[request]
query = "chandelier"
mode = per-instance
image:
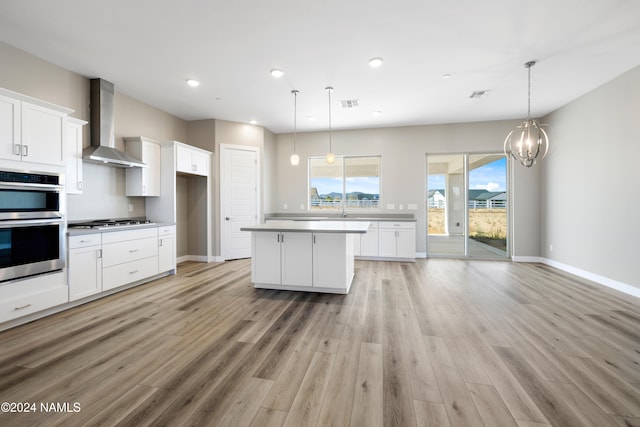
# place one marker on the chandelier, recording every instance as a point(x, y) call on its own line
point(528, 142)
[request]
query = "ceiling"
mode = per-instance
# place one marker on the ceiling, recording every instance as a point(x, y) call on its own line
point(148, 48)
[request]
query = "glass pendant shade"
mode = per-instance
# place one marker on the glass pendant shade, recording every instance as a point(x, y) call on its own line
point(295, 159)
point(527, 143)
point(330, 158)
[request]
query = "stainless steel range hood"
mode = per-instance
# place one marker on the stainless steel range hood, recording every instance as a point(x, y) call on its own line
point(103, 141)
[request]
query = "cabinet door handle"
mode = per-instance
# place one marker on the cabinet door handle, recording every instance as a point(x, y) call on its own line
point(23, 307)
point(17, 149)
point(314, 239)
point(79, 185)
point(282, 238)
point(99, 253)
point(25, 150)
point(133, 272)
point(131, 251)
point(159, 242)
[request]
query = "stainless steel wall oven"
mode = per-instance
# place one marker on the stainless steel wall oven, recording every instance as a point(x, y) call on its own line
point(32, 224)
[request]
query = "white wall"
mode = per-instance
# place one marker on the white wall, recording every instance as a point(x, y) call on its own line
point(403, 175)
point(591, 182)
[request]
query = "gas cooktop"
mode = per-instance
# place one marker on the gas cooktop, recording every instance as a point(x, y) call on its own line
point(111, 223)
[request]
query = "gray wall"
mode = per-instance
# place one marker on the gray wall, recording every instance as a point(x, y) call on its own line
point(403, 169)
point(591, 182)
point(104, 187)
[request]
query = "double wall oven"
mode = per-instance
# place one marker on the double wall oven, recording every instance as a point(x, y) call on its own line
point(32, 224)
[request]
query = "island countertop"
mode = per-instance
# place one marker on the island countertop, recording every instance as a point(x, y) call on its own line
point(358, 227)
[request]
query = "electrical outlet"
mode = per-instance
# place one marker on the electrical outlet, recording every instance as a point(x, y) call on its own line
point(401, 207)
point(285, 207)
point(391, 206)
point(130, 208)
point(550, 248)
point(412, 207)
point(301, 206)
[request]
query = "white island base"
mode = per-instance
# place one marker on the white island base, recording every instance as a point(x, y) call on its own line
point(309, 256)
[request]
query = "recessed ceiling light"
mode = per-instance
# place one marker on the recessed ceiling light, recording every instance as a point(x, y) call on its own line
point(446, 76)
point(377, 113)
point(375, 62)
point(193, 83)
point(311, 118)
point(277, 73)
point(253, 122)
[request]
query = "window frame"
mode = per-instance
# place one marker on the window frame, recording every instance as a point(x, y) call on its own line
point(343, 205)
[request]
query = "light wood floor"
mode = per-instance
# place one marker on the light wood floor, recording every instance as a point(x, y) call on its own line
point(435, 343)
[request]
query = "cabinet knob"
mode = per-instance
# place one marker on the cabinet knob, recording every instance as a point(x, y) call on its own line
point(25, 150)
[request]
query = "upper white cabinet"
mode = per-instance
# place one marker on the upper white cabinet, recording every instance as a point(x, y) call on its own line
point(192, 160)
point(10, 139)
point(32, 130)
point(74, 155)
point(143, 181)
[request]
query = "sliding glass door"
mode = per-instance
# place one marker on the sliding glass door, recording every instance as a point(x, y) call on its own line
point(467, 205)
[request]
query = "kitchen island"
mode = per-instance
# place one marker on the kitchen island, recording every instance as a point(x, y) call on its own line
point(312, 256)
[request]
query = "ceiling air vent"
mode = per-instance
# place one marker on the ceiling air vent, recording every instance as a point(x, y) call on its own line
point(350, 103)
point(478, 94)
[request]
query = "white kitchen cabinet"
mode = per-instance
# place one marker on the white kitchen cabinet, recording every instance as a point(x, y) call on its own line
point(85, 265)
point(192, 160)
point(31, 130)
point(397, 240)
point(73, 182)
point(297, 262)
point(282, 258)
point(369, 241)
point(332, 260)
point(143, 181)
point(129, 256)
point(28, 296)
point(166, 248)
point(10, 131)
point(266, 258)
point(42, 134)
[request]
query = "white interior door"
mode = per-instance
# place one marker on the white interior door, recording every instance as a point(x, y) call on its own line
point(239, 199)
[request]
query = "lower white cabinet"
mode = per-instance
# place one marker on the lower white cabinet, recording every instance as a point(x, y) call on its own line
point(85, 265)
point(31, 295)
point(332, 260)
point(129, 256)
point(282, 258)
point(166, 248)
point(369, 241)
point(301, 260)
point(397, 240)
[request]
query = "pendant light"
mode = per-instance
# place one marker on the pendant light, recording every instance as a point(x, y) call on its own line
point(295, 159)
point(528, 142)
point(330, 156)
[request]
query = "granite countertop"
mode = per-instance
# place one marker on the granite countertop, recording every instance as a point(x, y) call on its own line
point(338, 217)
point(82, 231)
point(359, 227)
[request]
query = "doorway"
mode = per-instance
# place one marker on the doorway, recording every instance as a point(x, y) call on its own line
point(467, 206)
point(239, 198)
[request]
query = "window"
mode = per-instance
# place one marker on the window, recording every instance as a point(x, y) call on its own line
point(349, 183)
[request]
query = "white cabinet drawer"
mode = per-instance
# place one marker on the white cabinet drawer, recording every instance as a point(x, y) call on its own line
point(85, 240)
point(166, 230)
point(32, 295)
point(129, 272)
point(398, 225)
point(121, 236)
point(121, 252)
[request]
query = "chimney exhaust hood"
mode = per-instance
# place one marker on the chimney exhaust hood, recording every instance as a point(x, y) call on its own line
point(103, 141)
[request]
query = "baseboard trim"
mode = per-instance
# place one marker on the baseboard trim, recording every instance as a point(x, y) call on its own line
point(602, 280)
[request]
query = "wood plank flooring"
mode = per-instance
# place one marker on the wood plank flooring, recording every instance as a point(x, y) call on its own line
point(432, 343)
